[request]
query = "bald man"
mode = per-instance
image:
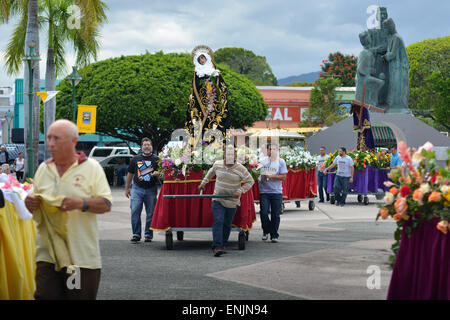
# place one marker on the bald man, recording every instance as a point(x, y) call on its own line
point(82, 184)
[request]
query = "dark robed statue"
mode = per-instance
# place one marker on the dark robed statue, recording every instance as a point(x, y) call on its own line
point(208, 101)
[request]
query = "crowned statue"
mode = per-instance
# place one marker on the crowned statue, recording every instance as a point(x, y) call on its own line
point(208, 100)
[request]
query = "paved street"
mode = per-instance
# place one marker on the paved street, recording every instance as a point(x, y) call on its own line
point(322, 254)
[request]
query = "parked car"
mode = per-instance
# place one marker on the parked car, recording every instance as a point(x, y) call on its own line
point(115, 167)
point(101, 153)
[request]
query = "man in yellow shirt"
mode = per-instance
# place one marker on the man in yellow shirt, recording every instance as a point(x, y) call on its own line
point(78, 187)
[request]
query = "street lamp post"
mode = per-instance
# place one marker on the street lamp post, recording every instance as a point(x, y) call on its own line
point(75, 78)
point(9, 116)
point(31, 58)
point(269, 121)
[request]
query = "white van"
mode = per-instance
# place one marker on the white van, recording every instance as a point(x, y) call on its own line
point(100, 153)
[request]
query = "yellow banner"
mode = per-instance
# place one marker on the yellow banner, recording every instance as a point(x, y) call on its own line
point(86, 119)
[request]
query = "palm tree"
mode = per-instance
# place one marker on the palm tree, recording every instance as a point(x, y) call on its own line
point(29, 32)
point(54, 16)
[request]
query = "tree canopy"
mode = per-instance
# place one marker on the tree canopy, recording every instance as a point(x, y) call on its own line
point(299, 84)
point(247, 63)
point(147, 95)
point(340, 66)
point(429, 80)
point(323, 109)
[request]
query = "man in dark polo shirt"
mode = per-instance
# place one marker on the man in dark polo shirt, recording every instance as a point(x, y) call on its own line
point(143, 177)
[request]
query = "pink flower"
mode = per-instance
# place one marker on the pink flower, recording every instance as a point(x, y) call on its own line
point(7, 185)
point(388, 183)
point(26, 187)
point(404, 152)
point(428, 146)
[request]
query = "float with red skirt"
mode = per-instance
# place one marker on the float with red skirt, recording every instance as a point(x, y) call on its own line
point(180, 207)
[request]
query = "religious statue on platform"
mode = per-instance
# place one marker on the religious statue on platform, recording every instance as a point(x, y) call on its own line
point(390, 65)
point(365, 73)
point(208, 101)
point(397, 59)
point(378, 46)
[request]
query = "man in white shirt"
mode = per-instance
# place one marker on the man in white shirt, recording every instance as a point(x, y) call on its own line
point(321, 177)
point(344, 175)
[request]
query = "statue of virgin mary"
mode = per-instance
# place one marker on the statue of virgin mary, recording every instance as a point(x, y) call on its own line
point(208, 101)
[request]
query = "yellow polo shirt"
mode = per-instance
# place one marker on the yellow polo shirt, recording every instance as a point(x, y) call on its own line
point(84, 179)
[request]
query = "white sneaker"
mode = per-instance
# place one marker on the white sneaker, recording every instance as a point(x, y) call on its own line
point(265, 237)
point(274, 240)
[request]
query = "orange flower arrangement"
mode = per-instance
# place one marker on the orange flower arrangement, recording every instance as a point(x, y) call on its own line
point(420, 194)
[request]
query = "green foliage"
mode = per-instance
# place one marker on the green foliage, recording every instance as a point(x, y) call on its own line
point(247, 63)
point(299, 84)
point(429, 80)
point(323, 108)
point(340, 66)
point(147, 96)
point(53, 17)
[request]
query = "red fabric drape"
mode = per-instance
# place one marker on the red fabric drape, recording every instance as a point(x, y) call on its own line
point(298, 185)
point(195, 213)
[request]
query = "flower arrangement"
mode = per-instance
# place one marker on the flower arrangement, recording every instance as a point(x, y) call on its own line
point(329, 160)
point(11, 184)
point(249, 159)
point(361, 160)
point(298, 158)
point(382, 159)
point(418, 195)
point(177, 162)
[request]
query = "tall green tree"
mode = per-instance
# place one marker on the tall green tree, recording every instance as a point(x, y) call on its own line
point(27, 10)
point(63, 27)
point(323, 109)
point(247, 63)
point(429, 81)
point(147, 96)
point(340, 66)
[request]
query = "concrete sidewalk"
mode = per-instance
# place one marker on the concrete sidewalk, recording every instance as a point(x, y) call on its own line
point(322, 254)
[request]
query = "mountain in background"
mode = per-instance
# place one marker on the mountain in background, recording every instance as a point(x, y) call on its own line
point(306, 77)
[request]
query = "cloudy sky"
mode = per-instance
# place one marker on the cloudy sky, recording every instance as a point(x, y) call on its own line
point(294, 35)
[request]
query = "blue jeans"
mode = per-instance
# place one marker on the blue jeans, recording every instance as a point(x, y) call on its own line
point(272, 202)
point(322, 181)
point(139, 197)
point(341, 183)
point(223, 219)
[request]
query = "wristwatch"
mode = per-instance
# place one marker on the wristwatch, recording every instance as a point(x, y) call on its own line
point(85, 205)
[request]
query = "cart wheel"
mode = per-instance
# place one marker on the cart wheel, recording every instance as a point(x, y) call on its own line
point(241, 240)
point(366, 200)
point(380, 194)
point(297, 203)
point(246, 235)
point(180, 235)
point(332, 199)
point(360, 198)
point(282, 208)
point(311, 205)
point(169, 240)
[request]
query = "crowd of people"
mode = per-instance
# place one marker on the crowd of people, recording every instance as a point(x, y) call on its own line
point(71, 182)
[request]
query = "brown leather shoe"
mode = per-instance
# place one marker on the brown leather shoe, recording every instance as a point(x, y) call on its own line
point(218, 252)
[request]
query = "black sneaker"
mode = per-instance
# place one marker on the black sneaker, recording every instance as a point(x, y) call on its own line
point(342, 204)
point(321, 201)
point(135, 239)
point(148, 239)
point(337, 204)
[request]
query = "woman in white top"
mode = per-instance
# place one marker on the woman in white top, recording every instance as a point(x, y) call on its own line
point(19, 166)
